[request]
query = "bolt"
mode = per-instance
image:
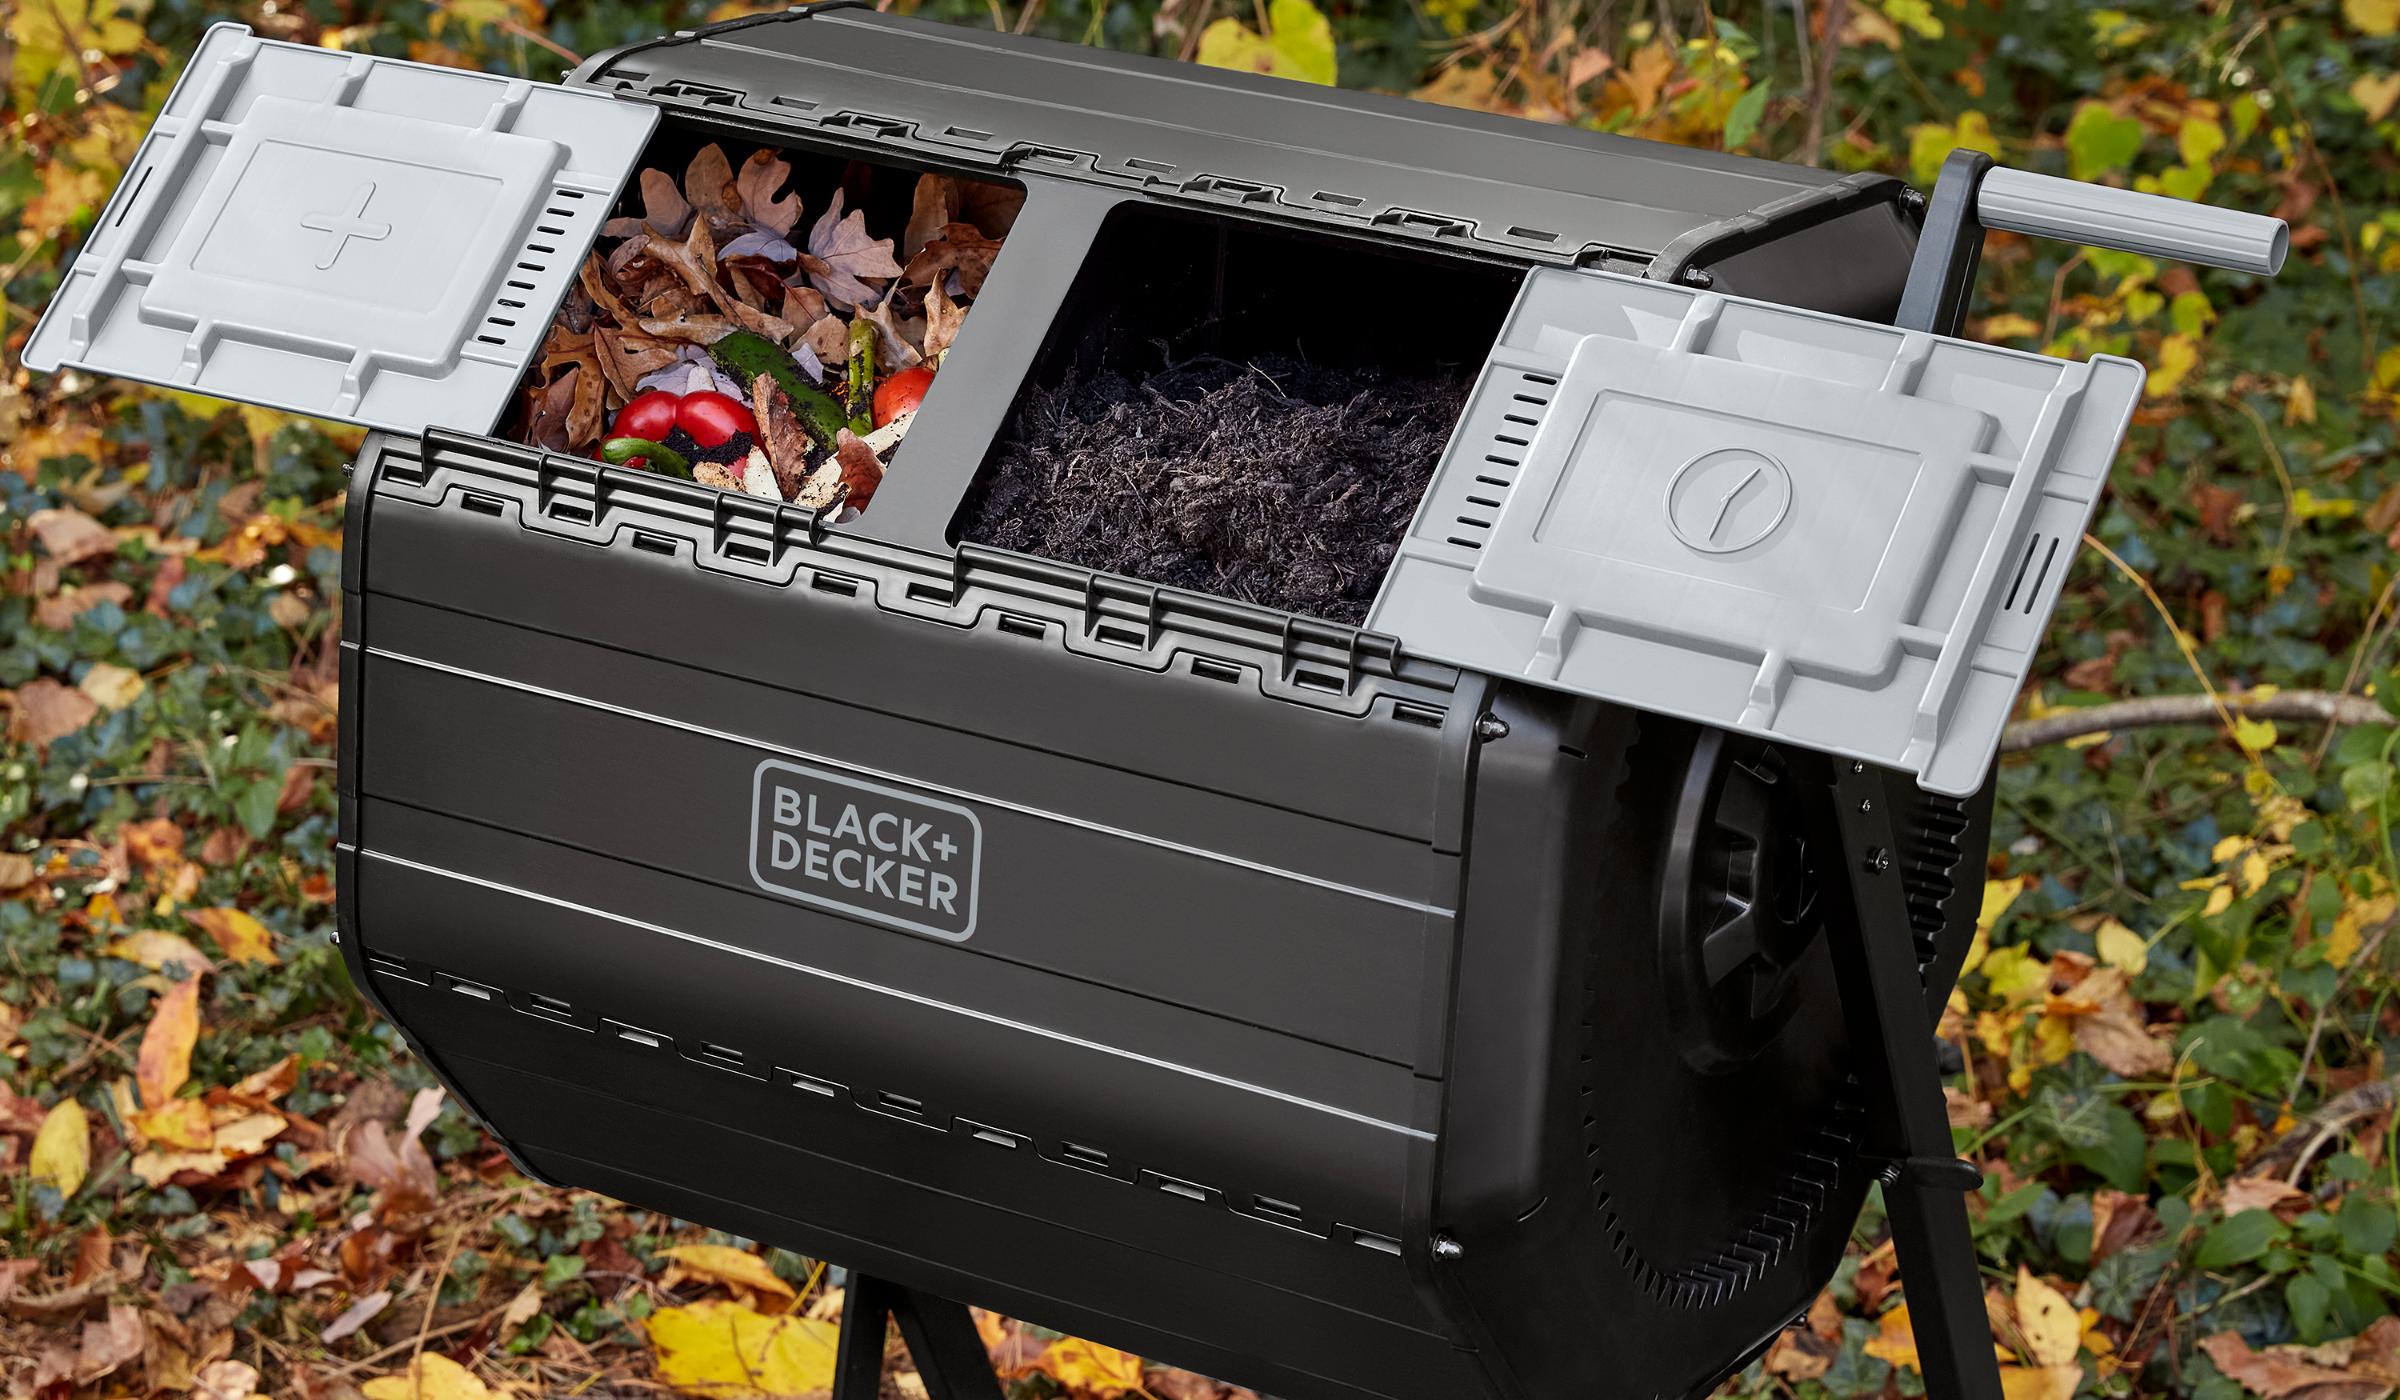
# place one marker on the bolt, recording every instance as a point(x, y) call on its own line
point(1857, 767)
point(1491, 727)
point(1699, 277)
point(1878, 860)
point(1445, 1247)
point(1866, 804)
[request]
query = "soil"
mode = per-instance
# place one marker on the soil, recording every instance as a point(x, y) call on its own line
point(1275, 482)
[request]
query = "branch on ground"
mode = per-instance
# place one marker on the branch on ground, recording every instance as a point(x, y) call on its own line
point(2157, 710)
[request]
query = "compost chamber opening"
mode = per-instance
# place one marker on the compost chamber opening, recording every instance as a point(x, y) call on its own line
point(762, 319)
point(1238, 409)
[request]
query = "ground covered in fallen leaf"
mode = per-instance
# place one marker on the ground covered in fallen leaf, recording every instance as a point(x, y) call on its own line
point(220, 1176)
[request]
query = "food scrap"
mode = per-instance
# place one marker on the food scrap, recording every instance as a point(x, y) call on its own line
point(707, 338)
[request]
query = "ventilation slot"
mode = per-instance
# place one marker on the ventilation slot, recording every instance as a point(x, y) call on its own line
point(1368, 1239)
point(474, 989)
point(395, 968)
point(836, 584)
point(1016, 626)
point(997, 1137)
point(1425, 715)
point(1190, 1191)
point(899, 1103)
point(567, 510)
point(655, 544)
point(1075, 1154)
point(1281, 1212)
point(747, 553)
point(2034, 551)
point(930, 593)
point(1208, 668)
point(1121, 637)
point(722, 1056)
point(648, 1040)
point(810, 1084)
point(482, 505)
point(536, 1004)
point(1318, 680)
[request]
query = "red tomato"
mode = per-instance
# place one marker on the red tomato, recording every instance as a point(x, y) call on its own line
point(901, 394)
point(650, 416)
point(711, 417)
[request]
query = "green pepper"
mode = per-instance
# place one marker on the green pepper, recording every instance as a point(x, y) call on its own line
point(862, 376)
point(623, 452)
point(746, 355)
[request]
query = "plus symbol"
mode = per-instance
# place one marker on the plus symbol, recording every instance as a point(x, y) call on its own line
point(345, 227)
point(944, 846)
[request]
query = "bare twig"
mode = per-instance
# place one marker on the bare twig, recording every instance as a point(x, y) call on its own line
point(2367, 1099)
point(1820, 92)
point(2155, 710)
point(2364, 957)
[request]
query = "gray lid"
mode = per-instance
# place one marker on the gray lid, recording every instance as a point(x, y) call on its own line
point(1803, 527)
point(335, 234)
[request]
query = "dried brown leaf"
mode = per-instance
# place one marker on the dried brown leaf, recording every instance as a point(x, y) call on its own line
point(225, 1380)
point(111, 1343)
point(47, 710)
point(774, 328)
point(943, 317)
point(708, 183)
point(762, 174)
point(625, 358)
point(714, 474)
point(828, 338)
point(936, 204)
point(58, 613)
point(2275, 1373)
point(693, 330)
point(841, 255)
point(989, 207)
point(962, 249)
point(803, 306)
point(895, 348)
point(663, 209)
point(862, 471)
point(786, 444)
point(70, 535)
point(695, 261)
point(602, 289)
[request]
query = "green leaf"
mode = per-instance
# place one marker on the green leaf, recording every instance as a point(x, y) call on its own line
point(2124, 1279)
point(2238, 1239)
point(2121, 1155)
point(2366, 1228)
point(2076, 1119)
point(2099, 141)
point(1853, 1372)
point(1741, 123)
point(2014, 1204)
point(254, 807)
point(2308, 1300)
point(2365, 784)
point(559, 1268)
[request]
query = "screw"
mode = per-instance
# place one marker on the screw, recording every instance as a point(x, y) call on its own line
point(1866, 804)
point(1699, 277)
point(1445, 1247)
point(1491, 727)
point(1878, 860)
point(1857, 767)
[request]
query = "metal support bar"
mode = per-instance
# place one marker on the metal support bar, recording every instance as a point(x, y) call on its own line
point(940, 1334)
point(1949, 250)
point(1908, 1126)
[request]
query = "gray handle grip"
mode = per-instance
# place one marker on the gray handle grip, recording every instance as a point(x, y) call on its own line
point(2153, 225)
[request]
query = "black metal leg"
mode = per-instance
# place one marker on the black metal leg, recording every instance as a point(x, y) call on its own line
point(1908, 1128)
point(949, 1351)
point(941, 1339)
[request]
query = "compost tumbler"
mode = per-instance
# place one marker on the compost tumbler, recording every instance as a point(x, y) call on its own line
point(1514, 996)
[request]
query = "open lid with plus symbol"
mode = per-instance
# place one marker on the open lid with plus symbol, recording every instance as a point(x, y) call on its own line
point(341, 235)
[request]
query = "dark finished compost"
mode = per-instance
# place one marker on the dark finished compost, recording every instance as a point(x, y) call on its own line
point(1276, 482)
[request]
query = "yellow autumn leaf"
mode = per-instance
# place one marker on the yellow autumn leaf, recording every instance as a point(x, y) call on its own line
point(47, 34)
point(2301, 407)
point(2014, 975)
point(2254, 735)
point(2254, 872)
point(2219, 900)
point(1895, 1341)
point(2054, 1038)
point(2122, 948)
point(2040, 1382)
point(62, 1150)
point(2372, 16)
point(159, 951)
point(113, 687)
point(1997, 896)
point(166, 1058)
point(726, 1351)
point(2178, 355)
point(2375, 93)
point(433, 1377)
point(2198, 139)
point(2047, 1321)
point(729, 1265)
point(1299, 44)
point(177, 1123)
point(2009, 325)
point(244, 939)
point(1913, 14)
point(1090, 1368)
